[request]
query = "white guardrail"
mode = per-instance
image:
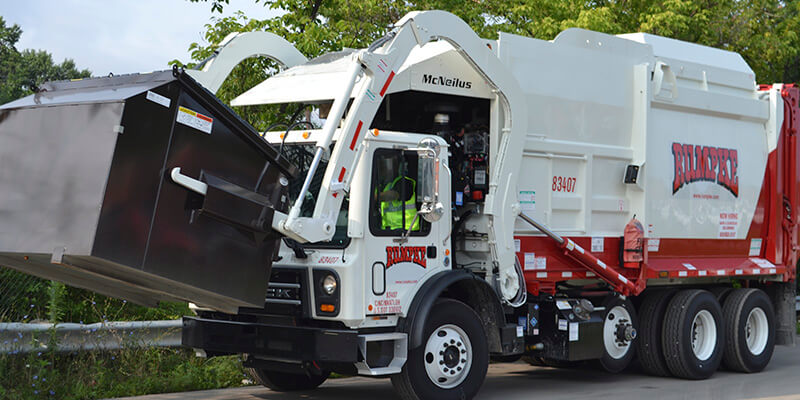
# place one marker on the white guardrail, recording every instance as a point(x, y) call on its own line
point(18, 337)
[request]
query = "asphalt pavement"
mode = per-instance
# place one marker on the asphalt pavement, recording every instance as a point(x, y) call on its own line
point(779, 381)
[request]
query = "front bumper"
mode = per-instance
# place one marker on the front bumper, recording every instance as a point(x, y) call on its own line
point(289, 343)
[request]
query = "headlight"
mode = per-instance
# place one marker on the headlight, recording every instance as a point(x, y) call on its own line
point(329, 285)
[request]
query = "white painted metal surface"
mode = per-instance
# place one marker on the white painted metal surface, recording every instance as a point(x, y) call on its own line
point(567, 117)
point(237, 47)
point(638, 98)
point(436, 67)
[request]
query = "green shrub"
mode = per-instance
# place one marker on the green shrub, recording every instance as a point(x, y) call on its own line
point(128, 372)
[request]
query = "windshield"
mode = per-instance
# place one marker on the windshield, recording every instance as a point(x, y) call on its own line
point(302, 155)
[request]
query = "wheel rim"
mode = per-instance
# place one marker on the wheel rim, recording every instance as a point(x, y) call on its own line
point(704, 335)
point(756, 331)
point(448, 356)
point(618, 332)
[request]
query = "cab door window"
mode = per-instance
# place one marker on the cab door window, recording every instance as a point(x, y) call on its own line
point(393, 199)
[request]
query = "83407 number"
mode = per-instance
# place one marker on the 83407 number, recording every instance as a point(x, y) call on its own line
point(564, 184)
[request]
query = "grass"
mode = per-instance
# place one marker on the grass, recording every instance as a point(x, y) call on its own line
point(128, 372)
point(93, 375)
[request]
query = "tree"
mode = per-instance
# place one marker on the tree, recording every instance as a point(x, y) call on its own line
point(764, 32)
point(21, 73)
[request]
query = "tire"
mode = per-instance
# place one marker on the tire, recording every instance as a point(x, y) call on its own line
point(721, 293)
point(750, 329)
point(651, 323)
point(286, 382)
point(620, 326)
point(693, 319)
point(455, 327)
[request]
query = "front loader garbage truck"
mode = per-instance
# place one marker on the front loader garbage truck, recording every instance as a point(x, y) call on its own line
point(594, 198)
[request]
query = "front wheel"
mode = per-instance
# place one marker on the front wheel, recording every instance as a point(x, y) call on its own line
point(452, 362)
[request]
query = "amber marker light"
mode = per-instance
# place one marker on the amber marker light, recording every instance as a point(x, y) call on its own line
point(327, 307)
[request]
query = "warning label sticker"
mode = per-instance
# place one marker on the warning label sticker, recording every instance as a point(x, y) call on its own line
point(597, 244)
point(728, 225)
point(527, 200)
point(755, 247)
point(195, 120)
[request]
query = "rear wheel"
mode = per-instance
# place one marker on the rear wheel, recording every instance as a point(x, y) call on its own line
point(750, 329)
point(287, 382)
point(452, 362)
point(648, 344)
point(619, 333)
point(693, 335)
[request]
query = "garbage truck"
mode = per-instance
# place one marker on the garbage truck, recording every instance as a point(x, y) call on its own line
point(450, 200)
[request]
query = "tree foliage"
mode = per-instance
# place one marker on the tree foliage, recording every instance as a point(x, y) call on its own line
point(21, 72)
point(765, 32)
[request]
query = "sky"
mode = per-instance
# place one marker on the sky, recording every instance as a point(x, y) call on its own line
point(119, 36)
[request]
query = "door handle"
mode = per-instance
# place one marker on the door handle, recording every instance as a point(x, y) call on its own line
point(187, 182)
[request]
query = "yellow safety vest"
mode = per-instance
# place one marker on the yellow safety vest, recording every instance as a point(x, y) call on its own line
point(392, 211)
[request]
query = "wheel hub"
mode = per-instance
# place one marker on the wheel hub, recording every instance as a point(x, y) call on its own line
point(618, 332)
point(756, 331)
point(448, 356)
point(451, 356)
point(704, 335)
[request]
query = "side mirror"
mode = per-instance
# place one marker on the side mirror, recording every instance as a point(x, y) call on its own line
point(428, 180)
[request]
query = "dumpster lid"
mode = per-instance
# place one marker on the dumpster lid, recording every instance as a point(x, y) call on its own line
point(92, 90)
point(122, 87)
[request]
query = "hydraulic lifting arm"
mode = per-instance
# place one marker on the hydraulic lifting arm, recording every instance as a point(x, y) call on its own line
point(583, 258)
point(238, 47)
point(378, 66)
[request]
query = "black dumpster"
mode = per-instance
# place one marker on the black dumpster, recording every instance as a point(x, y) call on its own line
point(88, 192)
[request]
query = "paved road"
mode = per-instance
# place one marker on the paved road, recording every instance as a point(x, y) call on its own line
point(780, 381)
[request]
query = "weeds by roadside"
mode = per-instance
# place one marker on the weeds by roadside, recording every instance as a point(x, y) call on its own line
point(128, 372)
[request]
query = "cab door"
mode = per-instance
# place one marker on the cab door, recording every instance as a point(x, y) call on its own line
point(402, 247)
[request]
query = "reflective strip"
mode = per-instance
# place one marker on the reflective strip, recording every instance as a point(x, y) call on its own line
point(570, 244)
point(772, 270)
point(702, 273)
point(682, 273)
point(756, 271)
point(388, 81)
point(590, 274)
point(566, 274)
point(399, 207)
point(739, 272)
point(541, 274)
point(602, 264)
point(622, 278)
point(720, 272)
point(579, 248)
point(689, 266)
point(355, 136)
